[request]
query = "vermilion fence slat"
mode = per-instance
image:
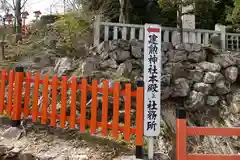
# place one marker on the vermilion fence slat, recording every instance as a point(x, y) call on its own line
point(2, 90)
point(127, 116)
point(94, 107)
point(73, 103)
point(27, 94)
point(116, 97)
point(45, 100)
point(18, 95)
point(63, 102)
point(83, 87)
point(105, 108)
point(139, 116)
point(35, 97)
point(54, 101)
point(10, 92)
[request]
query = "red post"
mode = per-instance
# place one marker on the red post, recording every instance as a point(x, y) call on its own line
point(181, 134)
point(16, 117)
point(139, 120)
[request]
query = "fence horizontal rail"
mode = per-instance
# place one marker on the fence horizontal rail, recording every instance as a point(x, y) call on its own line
point(205, 131)
point(182, 132)
point(17, 82)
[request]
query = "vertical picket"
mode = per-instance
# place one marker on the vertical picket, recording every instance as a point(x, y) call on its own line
point(139, 114)
point(2, 90)
point(73, 102)
point(17, 96)
point(94, 107)
point(45, 100)
point(54, 101)
point(35, 97)
point(116, 96)
point(105, 108)
point(127, 116)
point(27, 94)
point(83, 105)
point(10, 92)
point(63, 102)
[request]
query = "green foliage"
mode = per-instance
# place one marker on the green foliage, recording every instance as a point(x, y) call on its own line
point(69, 29)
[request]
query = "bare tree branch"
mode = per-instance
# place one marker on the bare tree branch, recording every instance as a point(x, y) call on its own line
point(23, 4)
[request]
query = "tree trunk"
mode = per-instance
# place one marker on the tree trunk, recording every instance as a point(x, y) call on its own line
point(2, 57)
point(2, 54)
point(18, 21)
point(124, 11)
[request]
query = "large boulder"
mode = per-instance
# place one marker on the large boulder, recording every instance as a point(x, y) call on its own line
point(124, 69)
point(197, 57)
point(120, 55)
point(210, 77)
point(63, 65)
point(202, 87)
point(231, 74)
point(209, 67)
point(195, 100)
point(181, 88)
point(225, 60)
point(176, 55)
point(137, 48)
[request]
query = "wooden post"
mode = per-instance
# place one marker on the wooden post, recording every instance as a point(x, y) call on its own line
point(139, 120)
point(181, 134)
point(96, 30)
point(16, 117)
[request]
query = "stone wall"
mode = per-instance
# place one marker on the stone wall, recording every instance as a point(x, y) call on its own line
point(202, 76)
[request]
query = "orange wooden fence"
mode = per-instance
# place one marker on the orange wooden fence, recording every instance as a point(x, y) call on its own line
point(17, 82)
point(182, 131)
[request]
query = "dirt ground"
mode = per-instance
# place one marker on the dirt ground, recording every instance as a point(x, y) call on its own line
point(46, 143)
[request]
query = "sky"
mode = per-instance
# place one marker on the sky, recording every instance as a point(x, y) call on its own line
point(45, 6)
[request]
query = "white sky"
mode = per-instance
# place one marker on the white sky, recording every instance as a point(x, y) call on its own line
point(45, 6)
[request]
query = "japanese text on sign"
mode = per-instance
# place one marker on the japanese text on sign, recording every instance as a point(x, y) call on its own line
point(152, 75)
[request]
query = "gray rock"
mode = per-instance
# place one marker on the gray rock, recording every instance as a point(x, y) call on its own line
point(189, 47)
point(166, 92)
point(181, 88)
point(196, 75)
point(137, 63)
point(113, 45)
point(90, 64)
point(111, 63)
point(120, 55)
point(225, 60)
point(166, 46)
point(231, 74)
point(197, 57)
point(164, 58)
point(222, 87)
point(195, 100)
point(124, 44)
point(63, 65)
point(210, 77)
point(166, 80)
point(103, 47)
point(212, 100)
point(203, 88)
point(124, 69)
point(137, 48)
point(104, 55)
point(176, 55)
point(177, 70)
point(209, 67)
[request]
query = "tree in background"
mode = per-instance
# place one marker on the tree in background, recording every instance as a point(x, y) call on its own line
point(15, 5)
